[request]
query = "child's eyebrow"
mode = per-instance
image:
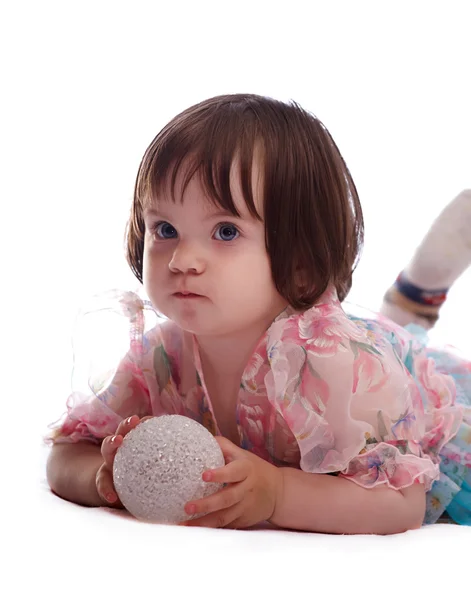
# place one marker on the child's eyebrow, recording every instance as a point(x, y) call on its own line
point(221, 214)
point(152, 212)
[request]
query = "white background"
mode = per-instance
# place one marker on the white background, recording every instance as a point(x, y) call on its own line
point(87, 85)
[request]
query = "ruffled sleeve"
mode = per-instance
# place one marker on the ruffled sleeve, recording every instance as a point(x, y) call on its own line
point(352, 404)
point(108, 383)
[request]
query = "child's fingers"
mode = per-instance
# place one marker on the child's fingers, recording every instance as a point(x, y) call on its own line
point(111, 443)
point(109, 448)
point(125, 426)
point(229, 449)
point(221, 500)
point(233, 472)
point(147, 418)
point(105, 487)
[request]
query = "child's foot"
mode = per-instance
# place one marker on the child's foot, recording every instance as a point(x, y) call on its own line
point(443, 255)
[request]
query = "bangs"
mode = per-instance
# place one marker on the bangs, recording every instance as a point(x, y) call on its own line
point(216, 147)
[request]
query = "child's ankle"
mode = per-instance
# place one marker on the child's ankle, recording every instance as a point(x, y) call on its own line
point(405, 301)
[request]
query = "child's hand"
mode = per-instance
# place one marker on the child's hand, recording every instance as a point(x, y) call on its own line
point(109, 447)
point(251, 496)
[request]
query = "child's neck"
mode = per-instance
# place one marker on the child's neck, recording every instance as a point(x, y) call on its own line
point(227, 356)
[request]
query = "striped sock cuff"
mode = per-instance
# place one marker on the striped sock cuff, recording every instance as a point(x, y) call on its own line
point(429, 298)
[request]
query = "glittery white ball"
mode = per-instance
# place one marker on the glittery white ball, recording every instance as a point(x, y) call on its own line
point(158, 468)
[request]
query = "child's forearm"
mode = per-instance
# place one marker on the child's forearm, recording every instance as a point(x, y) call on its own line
point(328, 504)
point(71, 472)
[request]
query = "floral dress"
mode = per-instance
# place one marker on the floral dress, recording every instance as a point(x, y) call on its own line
point(327, 390)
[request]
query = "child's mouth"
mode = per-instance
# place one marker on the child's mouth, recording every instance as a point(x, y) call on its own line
point(187, 296)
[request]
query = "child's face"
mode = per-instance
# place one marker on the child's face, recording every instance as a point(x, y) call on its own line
point(194, 247)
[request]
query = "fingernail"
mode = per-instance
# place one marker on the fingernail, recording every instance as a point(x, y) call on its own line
point(129, 421)
point(191, 509)
point(111, 497)
point(113, 439)
point(207, 476)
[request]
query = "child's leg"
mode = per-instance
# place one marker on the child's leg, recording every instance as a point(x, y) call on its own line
point(444, 254)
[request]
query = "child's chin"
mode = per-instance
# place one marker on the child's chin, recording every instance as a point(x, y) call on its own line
point(193, 326)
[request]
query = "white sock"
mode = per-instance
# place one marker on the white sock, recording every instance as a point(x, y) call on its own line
point(445, 252)
point(441, 258)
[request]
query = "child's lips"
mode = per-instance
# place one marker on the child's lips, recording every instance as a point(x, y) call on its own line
point(187, 295)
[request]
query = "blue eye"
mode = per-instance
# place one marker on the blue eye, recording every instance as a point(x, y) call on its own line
point(165, 231)
point(227, 233)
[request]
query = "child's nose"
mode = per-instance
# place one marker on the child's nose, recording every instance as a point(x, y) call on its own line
point(187, 258)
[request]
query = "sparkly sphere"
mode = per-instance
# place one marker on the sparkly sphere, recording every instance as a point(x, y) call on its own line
point(159, 466)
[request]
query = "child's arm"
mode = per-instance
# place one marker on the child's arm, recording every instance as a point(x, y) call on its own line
point(87, 439)
point(71, 472)
point(82, 472)
point(328, 504)
point(79, 467)
point(355, 408)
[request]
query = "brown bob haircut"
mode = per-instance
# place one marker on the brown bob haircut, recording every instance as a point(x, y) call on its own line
point(312, 213)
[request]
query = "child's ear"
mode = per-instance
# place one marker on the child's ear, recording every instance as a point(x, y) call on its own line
point(298, 275)
point(300, 279)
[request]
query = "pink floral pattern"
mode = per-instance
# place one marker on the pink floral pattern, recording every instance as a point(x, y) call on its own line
point(323, 391)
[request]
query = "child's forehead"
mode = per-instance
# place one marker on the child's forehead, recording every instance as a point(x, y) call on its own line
point(196, 203)
point(196, 192)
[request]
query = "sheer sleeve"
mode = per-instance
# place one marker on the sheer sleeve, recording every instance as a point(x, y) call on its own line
point(108, 383)
point(352, 404)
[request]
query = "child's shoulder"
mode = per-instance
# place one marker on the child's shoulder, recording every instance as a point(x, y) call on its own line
point(330, 323)
point(327, 314)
